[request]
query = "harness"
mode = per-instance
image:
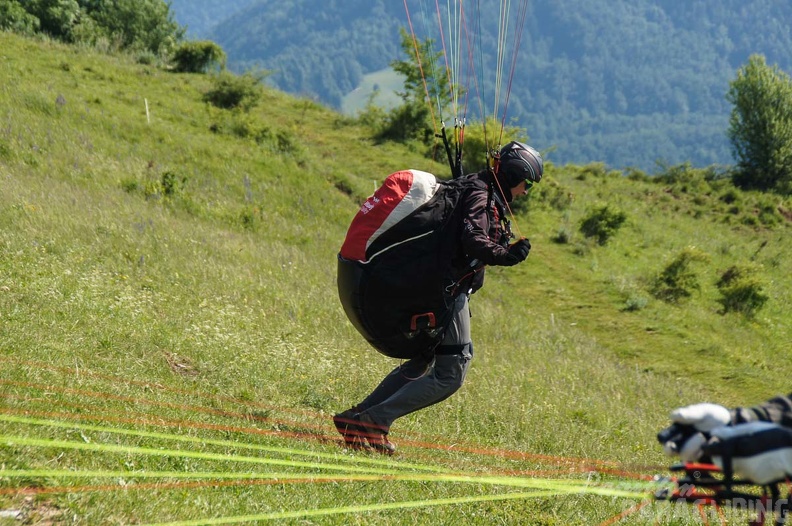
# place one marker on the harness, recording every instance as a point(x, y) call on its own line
point(496, 209)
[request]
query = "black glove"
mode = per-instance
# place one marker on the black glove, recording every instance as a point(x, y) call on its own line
point(691, 428)
point(518, 251)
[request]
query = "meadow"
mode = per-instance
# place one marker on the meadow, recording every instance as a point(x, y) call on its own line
point(172, 346)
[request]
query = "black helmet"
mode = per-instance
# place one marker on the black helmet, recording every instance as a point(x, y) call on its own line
point(518, 162)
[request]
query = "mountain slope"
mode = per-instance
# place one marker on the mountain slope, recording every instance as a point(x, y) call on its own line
point(200, 16)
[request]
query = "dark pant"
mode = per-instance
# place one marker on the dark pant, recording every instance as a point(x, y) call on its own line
point(419, 383)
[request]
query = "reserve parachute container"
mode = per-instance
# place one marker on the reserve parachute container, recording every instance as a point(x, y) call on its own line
point(394, 268)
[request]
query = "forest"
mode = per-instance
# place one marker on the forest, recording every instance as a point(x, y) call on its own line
point(638, 83)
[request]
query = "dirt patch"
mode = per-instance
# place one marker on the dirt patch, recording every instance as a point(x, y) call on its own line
point(180, 364)
point(30, 511)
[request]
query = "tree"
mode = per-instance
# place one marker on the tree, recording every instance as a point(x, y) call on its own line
point(128, 24)
point(426, 93)
point(760, 126)
point(57, 18)
point(137, 24)
point(13, 17)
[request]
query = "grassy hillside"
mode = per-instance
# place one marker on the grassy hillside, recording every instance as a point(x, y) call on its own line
point(172, 346)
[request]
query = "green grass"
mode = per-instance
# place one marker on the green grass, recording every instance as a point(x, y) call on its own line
point(168, 305)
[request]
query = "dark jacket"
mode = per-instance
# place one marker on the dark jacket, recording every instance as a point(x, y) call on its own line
point(482, 233)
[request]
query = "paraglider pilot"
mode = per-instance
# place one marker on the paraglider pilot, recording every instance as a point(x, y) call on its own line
point(479, 237)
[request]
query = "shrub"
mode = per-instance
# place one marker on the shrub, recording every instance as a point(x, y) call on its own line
point(231, 91)
point(685, 179)
point(146, 58)
point(602, 223)
point(172, 184)
point(562, 236)
point(635, 303)
point(405, 123)
point(767, 207)
point(677, 280)
point(596, 170)
point(730, 196)
point(198, 57)
point(634, 174)
point(165, 186)
point(742, 289)
point(373, 116)
point(551, 193)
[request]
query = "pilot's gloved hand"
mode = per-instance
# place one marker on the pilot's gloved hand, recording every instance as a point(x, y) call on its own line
point(691, 428)
point(518, 252)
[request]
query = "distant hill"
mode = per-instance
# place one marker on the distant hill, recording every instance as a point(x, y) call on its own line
point(200, 16)
point(625, 82)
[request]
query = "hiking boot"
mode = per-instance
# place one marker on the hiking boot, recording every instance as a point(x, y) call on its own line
point(346, 424)
point(376, 435)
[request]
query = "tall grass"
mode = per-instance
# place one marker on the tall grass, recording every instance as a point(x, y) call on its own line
point(167, 278)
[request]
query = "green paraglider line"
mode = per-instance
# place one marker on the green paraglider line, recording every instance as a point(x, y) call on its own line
point(378, 470)
point(227, 443)
point(374, 508)
point(598, 465)
point(555, 485)
point(363, 470)
point(136, 450)
point(323, 512)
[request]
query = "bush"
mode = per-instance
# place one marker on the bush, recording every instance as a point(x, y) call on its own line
point(231, 91)
point(634, 174)
point(372, 116)
point(198, 57)
point(166, 186)
point(742, 289)
point(562, 236)
point(406, 123)
point(602, 223)
point(635, 303)
point(172, 184)
point(552, 193)
point(596, 170)
point(677, 280)
point(683, 178)
point(730, 196)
